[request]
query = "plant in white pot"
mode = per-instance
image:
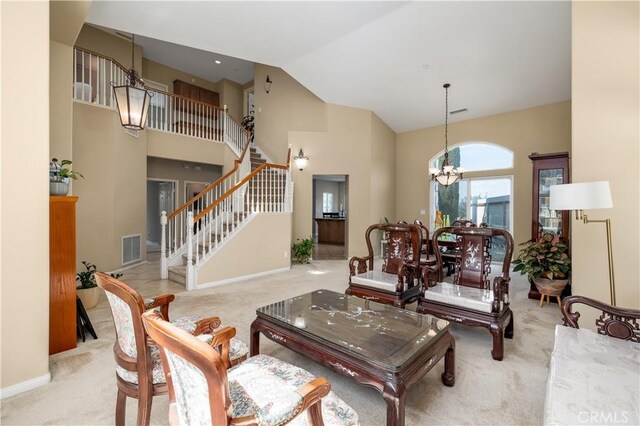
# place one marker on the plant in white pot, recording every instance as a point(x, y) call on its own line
point(60, 175)
point(546, 263)
point(87, 289)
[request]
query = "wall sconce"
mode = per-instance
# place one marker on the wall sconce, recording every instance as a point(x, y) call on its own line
point(267, 85)
point(301, 160)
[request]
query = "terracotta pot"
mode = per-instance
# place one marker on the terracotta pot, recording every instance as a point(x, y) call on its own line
point(89, 296)
point(550, 287)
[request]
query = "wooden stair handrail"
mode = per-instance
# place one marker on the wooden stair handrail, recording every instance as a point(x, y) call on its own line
point(236, 186)
point(236, 164)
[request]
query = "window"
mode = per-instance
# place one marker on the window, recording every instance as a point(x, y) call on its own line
point(476, 156)
point(485, 199)
point(481, 200)
point(327, 202)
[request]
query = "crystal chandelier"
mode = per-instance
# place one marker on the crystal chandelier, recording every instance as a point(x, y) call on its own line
point(448, 174)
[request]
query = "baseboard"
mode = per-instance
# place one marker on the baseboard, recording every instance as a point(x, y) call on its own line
point(242, 278)
point(117, 271)
point(27, 385)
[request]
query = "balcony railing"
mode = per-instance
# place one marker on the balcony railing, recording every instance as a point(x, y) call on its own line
point(168, 112)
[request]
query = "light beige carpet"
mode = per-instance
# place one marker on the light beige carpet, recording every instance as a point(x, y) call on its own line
point(83, 388)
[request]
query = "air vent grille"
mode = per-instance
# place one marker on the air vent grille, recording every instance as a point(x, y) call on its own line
point(131, 251)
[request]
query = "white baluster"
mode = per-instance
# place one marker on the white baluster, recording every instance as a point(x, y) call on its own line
point(164, 267)
point(190, 279)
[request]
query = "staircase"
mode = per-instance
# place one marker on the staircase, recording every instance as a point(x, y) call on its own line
point(265, 189)
point(178, 273)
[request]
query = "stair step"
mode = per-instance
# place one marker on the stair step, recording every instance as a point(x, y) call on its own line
point(178, 274)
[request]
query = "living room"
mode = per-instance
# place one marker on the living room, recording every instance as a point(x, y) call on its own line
point(602, 112)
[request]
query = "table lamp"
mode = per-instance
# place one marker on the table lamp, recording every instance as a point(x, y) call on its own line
point(587, 196)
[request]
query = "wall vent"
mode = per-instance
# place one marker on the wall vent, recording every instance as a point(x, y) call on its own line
point(131, 248)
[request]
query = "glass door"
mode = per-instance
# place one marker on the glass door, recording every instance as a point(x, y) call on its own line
point(549, 220)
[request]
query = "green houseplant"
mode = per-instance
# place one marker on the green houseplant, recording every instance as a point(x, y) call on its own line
point(546, 263)
point(60, 175)
point(87, 288)
point(302, 250)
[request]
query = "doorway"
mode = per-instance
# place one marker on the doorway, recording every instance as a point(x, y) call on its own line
point(161, 196)
point(330, 216)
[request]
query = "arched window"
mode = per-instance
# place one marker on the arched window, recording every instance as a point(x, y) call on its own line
point(476, 157)
point(484, 199)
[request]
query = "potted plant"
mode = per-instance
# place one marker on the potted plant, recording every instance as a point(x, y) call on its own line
point(302, 250)
point(546, 263)
point(87, 290)
point(60, 175)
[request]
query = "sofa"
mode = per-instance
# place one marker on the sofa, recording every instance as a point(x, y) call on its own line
point(594, 376)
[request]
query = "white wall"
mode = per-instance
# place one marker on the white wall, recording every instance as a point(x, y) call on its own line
point(606, 145)
point(24, 193)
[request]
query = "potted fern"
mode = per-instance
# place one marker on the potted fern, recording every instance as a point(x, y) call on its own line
point(302, 250)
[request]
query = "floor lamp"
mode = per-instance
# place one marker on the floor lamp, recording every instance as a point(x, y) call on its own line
point(587, 196)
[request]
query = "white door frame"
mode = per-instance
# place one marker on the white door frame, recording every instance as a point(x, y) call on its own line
point(175, 183)
point(245, 99)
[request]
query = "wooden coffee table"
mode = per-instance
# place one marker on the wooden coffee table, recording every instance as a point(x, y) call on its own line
point(377, 345)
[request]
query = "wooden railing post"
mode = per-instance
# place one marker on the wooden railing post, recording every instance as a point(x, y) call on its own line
point(164, 267)
point(190, 279)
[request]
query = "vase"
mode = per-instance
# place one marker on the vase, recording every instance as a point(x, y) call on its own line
point(550, 287)
point(89, 296)
point(58, 188)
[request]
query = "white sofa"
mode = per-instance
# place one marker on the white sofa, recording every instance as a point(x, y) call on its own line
point(594, 378)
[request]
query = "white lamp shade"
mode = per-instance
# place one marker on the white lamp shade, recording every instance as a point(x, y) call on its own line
point(301, 162)
point(580, 196)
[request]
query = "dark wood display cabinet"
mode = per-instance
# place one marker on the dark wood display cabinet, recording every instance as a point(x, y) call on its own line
point(196, 93)
point(548, 169)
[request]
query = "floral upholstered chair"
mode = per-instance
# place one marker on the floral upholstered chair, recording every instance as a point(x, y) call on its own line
point(262, 390)
point(477, 297)
point(139, 371)
point(397, 279)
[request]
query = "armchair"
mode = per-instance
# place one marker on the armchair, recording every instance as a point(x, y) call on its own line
point(476, 298)
point(397, 280)
point(262, 390)
point(138, 368)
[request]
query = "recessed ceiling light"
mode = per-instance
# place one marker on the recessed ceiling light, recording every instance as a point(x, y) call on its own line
point(218, 61)
point(425, 66)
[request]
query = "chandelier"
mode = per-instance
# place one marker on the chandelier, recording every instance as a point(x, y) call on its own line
point(447, 174)
point(132, 99)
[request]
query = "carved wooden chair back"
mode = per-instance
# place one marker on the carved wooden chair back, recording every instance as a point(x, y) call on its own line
point(424, 237)
point(131, 351)
point(473, 249)
point(403, 245)
point(464, 223)
point(198, 377)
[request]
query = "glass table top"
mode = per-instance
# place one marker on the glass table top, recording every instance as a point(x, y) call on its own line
point(382, 334)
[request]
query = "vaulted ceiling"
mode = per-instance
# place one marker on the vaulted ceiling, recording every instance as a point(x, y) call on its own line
point(389, 57)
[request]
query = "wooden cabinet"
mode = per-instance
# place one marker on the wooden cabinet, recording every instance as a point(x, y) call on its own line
point(62, 273)
point(548, 169)
point(330, 231)
point(196, 93)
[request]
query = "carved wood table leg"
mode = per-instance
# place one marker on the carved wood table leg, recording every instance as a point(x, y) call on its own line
point(449, 374)
point(395, 399)
point(254, 344)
